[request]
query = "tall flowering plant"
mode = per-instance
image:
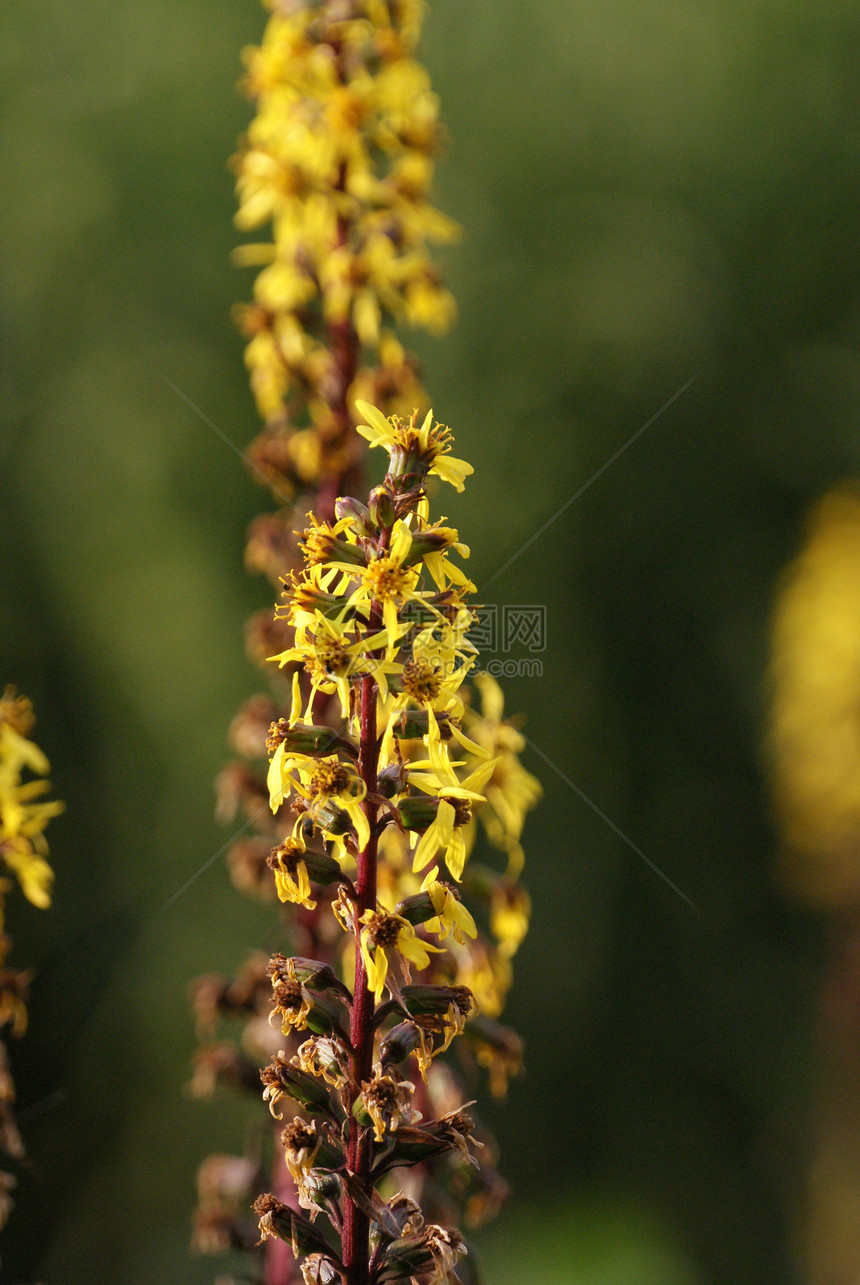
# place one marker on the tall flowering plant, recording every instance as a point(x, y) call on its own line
point(382, 751)
point(24, 814)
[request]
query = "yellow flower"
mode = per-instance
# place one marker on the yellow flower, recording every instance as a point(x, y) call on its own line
point(814, 738)
point(453, 814)
point(415, 452)
point(511, 792)
point(23, 816)
point(291, 873)
point(452, 916)
point(431, 680)
point(338, 160)
point(34, 874)
point(292, 1002)
point(383, 932)
point(444, 832)
point(487, 973)
point(322, 782)
point(386, 580)
point(510, 908)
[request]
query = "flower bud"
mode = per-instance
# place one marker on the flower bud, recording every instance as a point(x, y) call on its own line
point(391, 781)
point(412, 724)
point(322, 868)
point(418, 812)
point(307, 972)
point(435, 1249)
point(328, 1017)
point(434, 540)
point(329, 817)
point(282, 1080)
point(301, 738)
point(382, 506)
point(322, 1188)
point(277, 1219)
point(416, 909)
point(434, 1001)
point(411, 1146)
point(348, 507)
point(399, 1043)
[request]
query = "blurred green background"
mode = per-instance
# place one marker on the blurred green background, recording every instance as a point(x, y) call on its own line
point(650, 193)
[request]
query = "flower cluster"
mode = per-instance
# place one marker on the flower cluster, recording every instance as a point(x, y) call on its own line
point(367, 775)
point(376, 813)
point(338, 161)
point(383, 597)
point(24, 814)
point(384, 809)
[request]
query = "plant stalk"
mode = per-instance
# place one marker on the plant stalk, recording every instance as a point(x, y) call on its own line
point(356, 1226)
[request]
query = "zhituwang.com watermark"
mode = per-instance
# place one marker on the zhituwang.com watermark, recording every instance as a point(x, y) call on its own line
point(510, 629)
point(508, 637)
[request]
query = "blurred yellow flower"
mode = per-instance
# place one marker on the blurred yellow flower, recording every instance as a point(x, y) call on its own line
point(23, 812)
point(814, 736)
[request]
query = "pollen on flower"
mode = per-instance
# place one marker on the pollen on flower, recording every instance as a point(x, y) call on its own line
point(278, 733)
point(426, 444)
point(384, 578)
point(331, 778)
point(328, 657)
point(301, 1143)
point(383, 930)
point(421, 681)
point(320, 545)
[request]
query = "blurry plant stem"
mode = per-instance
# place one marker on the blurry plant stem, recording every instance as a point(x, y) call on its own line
point(833, 1236)
point(343, 345)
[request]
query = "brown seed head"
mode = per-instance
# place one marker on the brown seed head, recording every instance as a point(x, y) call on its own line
point(288, 996)
point(267, 1204)
point(383, 930)
point(278, 733)
point(271, 1075)
point(17, 711)
point(285, 857)
point(299, 1136)
point(462, 997)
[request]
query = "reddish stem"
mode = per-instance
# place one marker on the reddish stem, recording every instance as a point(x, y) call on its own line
point(279, 1263)
point(356, 1250)
point(343, 346)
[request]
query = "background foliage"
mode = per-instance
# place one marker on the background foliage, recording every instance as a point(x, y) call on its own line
point(650, 193)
